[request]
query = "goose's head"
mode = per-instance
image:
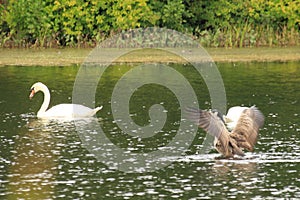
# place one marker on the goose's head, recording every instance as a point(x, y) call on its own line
point(36, 88)
point(219, 114)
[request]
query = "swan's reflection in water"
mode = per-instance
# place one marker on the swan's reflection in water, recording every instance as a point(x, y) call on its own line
point(34, 170)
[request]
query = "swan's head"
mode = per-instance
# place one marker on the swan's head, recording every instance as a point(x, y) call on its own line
point(35, 88)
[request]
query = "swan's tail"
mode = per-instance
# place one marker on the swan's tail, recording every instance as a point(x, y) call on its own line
point(95, 110)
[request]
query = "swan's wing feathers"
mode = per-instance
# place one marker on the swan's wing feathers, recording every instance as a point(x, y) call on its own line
point(208, 121)
point(71, 111)
point(247, 128)
point(83, 111)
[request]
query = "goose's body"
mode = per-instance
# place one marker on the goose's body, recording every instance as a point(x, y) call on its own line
point(229, 143)
point(61, 110)
point(233, 116)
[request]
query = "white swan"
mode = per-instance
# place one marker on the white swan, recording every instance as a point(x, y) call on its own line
point(61, 110)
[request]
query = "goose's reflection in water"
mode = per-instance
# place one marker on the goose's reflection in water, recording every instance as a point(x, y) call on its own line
point(241, 177)
point(245, 169)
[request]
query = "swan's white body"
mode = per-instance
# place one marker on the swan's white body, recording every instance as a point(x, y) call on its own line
point(61, 110)
point(233, 116)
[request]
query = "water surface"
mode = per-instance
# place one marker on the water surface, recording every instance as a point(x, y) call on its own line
point(43, 159)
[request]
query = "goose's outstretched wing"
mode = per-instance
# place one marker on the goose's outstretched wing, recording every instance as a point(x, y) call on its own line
point(210, 122)
point(246, 131)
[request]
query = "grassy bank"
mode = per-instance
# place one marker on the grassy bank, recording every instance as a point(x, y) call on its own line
point(71, 56)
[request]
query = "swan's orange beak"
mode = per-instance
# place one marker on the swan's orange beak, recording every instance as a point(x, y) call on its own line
point(31, 93)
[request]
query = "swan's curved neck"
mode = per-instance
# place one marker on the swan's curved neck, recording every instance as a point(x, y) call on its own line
point(46, 102)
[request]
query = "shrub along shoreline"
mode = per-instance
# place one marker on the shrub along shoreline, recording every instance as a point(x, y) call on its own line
point(81, 23)
point(76, 56)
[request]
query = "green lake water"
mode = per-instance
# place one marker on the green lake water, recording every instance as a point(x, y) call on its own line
point(53, 159)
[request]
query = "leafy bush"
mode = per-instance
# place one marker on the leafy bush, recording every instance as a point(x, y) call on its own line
point(27, 21)
point(127, 14)
point(172, 14)
point(238, 23)
point(217, 23)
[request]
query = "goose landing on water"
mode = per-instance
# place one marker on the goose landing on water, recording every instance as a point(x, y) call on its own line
point(229, 143)
point(233, 116)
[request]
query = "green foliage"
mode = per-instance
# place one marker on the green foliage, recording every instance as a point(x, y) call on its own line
point(3, 26)
point(74, 21)
point(1, 13)
point(127, 14)
point(238, 23)
point(27, 21)
point(172, 14)
point(229, 23)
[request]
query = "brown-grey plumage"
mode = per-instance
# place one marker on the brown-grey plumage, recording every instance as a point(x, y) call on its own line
point(243, 136)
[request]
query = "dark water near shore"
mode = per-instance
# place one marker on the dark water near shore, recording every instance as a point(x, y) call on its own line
point(47, 159)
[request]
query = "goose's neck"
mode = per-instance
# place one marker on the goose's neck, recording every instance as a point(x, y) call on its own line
point(46, 102)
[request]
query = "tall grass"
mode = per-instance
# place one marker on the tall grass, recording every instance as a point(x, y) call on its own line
point(248, 35)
